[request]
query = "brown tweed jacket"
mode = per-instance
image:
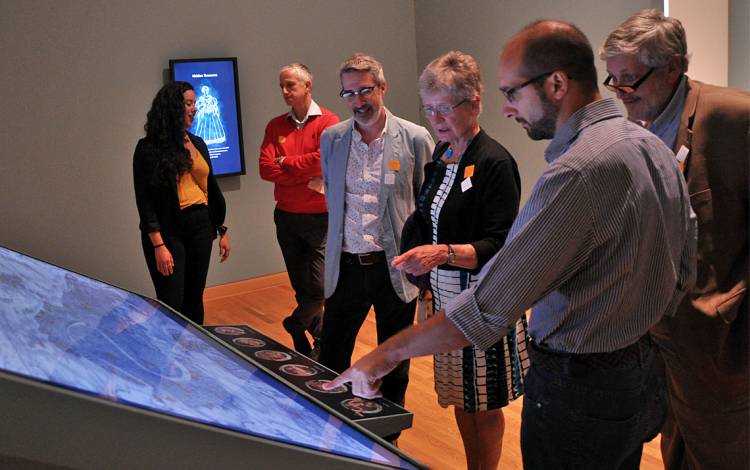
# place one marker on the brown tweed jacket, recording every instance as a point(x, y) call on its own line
point(710, 329)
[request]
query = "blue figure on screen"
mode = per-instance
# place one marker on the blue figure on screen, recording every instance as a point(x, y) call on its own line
point(208, 125)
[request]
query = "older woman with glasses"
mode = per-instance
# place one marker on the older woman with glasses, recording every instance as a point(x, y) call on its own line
point(466, 206)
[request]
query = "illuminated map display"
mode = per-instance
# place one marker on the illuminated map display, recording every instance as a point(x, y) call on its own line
point(74, 332)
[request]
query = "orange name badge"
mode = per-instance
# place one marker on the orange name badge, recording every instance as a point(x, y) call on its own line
point(394, 165)
point(282, 139)
point(469, 171)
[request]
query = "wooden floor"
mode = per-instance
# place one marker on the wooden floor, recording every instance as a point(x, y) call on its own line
point(434, 439)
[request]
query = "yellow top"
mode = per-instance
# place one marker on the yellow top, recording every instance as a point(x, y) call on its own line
point(192, 186)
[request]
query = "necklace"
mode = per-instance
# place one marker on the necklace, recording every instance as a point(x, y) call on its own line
point(449, 154)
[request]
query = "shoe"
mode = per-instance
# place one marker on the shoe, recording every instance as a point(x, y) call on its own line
point(297, 332)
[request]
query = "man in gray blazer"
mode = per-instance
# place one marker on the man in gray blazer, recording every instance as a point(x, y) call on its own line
point(372, 170)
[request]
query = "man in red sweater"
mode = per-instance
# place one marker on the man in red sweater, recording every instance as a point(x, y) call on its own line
point(290, 158)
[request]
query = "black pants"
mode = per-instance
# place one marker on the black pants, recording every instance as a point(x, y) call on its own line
point(359, 288)
point(302, 239)
point(190, 245)
point(591, 419)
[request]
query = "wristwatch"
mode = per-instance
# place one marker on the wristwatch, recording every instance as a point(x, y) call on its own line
point(222, 229)
point(451, 255)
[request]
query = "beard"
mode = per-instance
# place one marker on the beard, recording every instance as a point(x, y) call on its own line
point(544, 127)
point(366, 115)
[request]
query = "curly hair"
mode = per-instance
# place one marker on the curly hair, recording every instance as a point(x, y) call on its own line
point(165, 131)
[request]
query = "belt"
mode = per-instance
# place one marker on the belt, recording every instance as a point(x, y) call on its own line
point(363, 259)
point(625, 358)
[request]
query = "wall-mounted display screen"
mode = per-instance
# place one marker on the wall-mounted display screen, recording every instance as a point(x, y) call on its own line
point(217, 101)
point(74, 332)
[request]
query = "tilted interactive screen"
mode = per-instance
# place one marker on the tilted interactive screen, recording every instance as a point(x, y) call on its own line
point(71, 331)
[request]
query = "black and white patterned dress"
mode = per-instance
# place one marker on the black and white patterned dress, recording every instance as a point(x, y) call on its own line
point(469, 378)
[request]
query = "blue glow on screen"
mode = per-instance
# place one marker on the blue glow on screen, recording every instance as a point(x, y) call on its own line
point(72, 331)
point(216, 118)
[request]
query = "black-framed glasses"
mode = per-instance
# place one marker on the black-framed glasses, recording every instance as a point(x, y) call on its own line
point(509, 93)
point(364, 92)
point(627, 89)
point(442, 109)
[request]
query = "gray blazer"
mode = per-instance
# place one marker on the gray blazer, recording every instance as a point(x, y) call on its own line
point(404, 141)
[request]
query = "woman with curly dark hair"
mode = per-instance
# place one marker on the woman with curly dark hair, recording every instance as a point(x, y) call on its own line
point(180, 205)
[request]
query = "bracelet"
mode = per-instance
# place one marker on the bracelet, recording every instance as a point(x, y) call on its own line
point(451, 255)
point(159, 245)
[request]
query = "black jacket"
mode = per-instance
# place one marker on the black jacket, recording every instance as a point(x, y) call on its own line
point(483, 214)
point(159, 206)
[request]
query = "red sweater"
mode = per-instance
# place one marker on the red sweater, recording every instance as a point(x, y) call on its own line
point(301, 147)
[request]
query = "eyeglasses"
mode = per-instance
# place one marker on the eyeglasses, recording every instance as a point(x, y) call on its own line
point(509, 93)
point(442, 109)
point(626, 89)
point(364, 92)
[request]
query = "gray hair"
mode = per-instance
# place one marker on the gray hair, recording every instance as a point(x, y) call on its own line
point(300, 69)
point(360, 62)
point(651, 36)
point(455, 72)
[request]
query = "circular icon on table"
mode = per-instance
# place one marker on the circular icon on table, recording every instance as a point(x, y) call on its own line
point(300, 370)
point(317, 385)
point(271, 355)
point(362, 406)
point(229, 330)
point(249, 342)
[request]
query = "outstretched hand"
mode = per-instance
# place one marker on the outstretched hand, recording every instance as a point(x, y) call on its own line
point(434, 335)
point(366, 375)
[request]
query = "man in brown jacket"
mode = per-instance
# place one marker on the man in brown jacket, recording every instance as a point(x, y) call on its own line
point(705, 345)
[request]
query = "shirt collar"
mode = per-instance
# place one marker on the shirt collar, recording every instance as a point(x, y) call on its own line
point(591, 113)
point(673, 110)
point(312, 110)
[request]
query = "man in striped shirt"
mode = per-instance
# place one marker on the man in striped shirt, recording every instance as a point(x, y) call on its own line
point(603, 248)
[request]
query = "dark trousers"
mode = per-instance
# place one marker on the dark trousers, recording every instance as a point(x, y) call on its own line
point(359, 288)
point(591, 418)
point(708, 385)
point(302, 239)
point(190, 245)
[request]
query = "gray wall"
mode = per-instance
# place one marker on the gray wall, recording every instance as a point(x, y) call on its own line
point(481, 27)
point(79, 76)
point(739, 44)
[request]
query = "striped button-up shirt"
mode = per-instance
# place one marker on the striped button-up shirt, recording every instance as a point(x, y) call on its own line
point(604, 246)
